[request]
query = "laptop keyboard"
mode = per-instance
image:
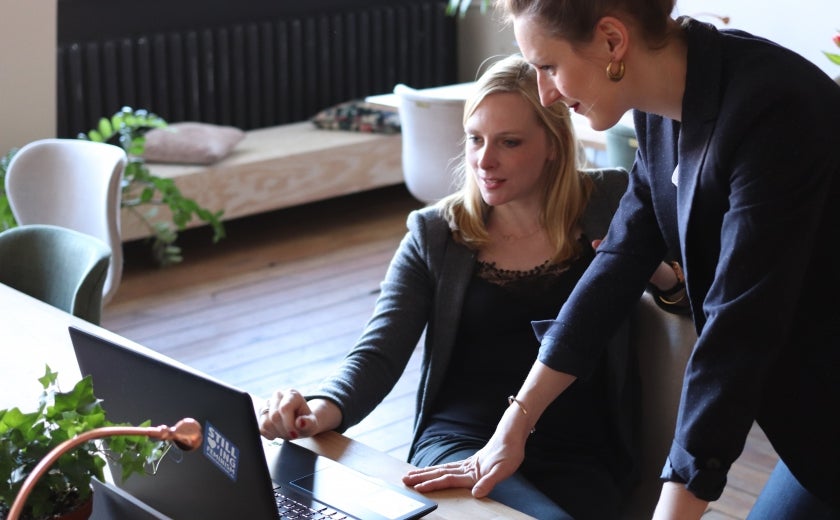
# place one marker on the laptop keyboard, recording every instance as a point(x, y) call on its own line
point(290, 509)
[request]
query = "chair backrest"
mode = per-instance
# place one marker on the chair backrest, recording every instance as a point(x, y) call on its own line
point(621, 146)
point(432, 140)
point(663, 343)
point(71, 183)
point(57, 265)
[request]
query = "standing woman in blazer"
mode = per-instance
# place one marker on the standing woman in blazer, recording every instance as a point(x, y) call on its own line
point(737, 169)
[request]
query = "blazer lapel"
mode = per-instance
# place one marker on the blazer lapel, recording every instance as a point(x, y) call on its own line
point(700, 112)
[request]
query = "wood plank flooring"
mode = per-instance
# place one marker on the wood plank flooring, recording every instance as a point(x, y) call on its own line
point(279, 302)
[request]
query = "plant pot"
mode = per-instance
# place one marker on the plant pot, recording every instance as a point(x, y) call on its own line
point(82, 512)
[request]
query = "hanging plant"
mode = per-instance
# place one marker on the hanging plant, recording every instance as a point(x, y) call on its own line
point(143, 193)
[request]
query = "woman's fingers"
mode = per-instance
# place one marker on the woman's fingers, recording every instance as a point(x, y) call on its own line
point(453, 474)
point(286, 415)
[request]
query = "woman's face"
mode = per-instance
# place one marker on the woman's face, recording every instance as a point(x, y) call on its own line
point(506, 150)
point(576, 77)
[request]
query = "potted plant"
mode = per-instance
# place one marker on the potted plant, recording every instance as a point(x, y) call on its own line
point(833, 56)
point(142, 192)
point(460, 7)
point(26, 438)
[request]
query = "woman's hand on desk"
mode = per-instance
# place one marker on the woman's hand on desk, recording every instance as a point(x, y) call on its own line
point(496, 461)
point(287, 415)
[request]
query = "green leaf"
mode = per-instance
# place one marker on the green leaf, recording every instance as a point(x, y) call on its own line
point(147, 194)
point(105, 128)
point(95, 136)
point(117, 120)
point(452, 7)
point(137, 145)
point(49, 378)
point(835, 58)
point(460, 7)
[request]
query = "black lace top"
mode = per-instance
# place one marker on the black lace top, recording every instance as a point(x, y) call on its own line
point(496, 348)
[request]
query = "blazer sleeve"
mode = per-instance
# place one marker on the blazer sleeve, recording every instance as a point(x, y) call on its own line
point(611, 286)
point(374, 365)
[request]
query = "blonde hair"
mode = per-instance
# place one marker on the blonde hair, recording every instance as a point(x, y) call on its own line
point(567, 190)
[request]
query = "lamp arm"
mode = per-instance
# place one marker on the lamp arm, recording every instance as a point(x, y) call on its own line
point(186, 434)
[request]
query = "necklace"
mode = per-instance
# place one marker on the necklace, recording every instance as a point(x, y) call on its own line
point(510, 237)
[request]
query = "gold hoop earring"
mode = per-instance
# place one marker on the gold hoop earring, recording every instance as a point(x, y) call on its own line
point(615, 76)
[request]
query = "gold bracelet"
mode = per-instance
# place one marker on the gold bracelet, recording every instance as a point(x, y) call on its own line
point(512, 399)
point(672, 302)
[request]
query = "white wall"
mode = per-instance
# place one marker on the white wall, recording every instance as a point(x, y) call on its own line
point(481, 37)
point(806, 26)
point(27, 71)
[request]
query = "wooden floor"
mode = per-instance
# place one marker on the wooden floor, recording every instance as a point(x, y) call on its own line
point(279, 302)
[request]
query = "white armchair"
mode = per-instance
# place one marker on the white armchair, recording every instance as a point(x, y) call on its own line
point(432, 141)
point(75, 184)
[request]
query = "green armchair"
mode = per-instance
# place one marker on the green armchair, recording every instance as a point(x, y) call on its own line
point(56, 265)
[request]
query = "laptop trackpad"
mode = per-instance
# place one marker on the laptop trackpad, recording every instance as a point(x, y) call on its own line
point(349, 491)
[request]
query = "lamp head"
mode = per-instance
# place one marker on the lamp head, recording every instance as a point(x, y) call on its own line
point(186, 434)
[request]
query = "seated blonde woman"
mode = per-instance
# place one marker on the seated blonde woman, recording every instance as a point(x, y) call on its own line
point(475, 270)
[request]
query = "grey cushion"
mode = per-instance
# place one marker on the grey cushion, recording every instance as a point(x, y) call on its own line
point(191, 143)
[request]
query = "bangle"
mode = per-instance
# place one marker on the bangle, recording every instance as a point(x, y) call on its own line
point(513, 399)
point(679, 286)
point(672, 302)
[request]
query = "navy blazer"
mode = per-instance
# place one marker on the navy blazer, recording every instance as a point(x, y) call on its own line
point(744, 188)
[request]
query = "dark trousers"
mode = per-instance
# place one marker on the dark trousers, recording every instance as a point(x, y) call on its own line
point(566, 488)
point(784, 498)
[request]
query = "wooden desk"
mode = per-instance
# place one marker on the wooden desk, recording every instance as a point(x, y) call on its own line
point(34, 333)
point(588, 137)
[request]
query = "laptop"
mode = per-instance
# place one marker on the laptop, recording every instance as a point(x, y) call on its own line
point(113, 502)
point(229, 476)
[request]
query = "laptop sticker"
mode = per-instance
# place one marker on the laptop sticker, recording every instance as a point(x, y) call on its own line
point(221, 451)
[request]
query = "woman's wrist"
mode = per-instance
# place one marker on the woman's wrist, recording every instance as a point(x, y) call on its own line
point(678, 503)
point(327, 413)
point(668, 278)
point(517, 423)
point(667, 286)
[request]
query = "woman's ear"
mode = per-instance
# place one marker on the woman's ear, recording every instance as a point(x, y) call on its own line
point(615, 36)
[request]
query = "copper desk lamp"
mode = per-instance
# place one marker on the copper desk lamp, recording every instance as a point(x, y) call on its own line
point(186, 434)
